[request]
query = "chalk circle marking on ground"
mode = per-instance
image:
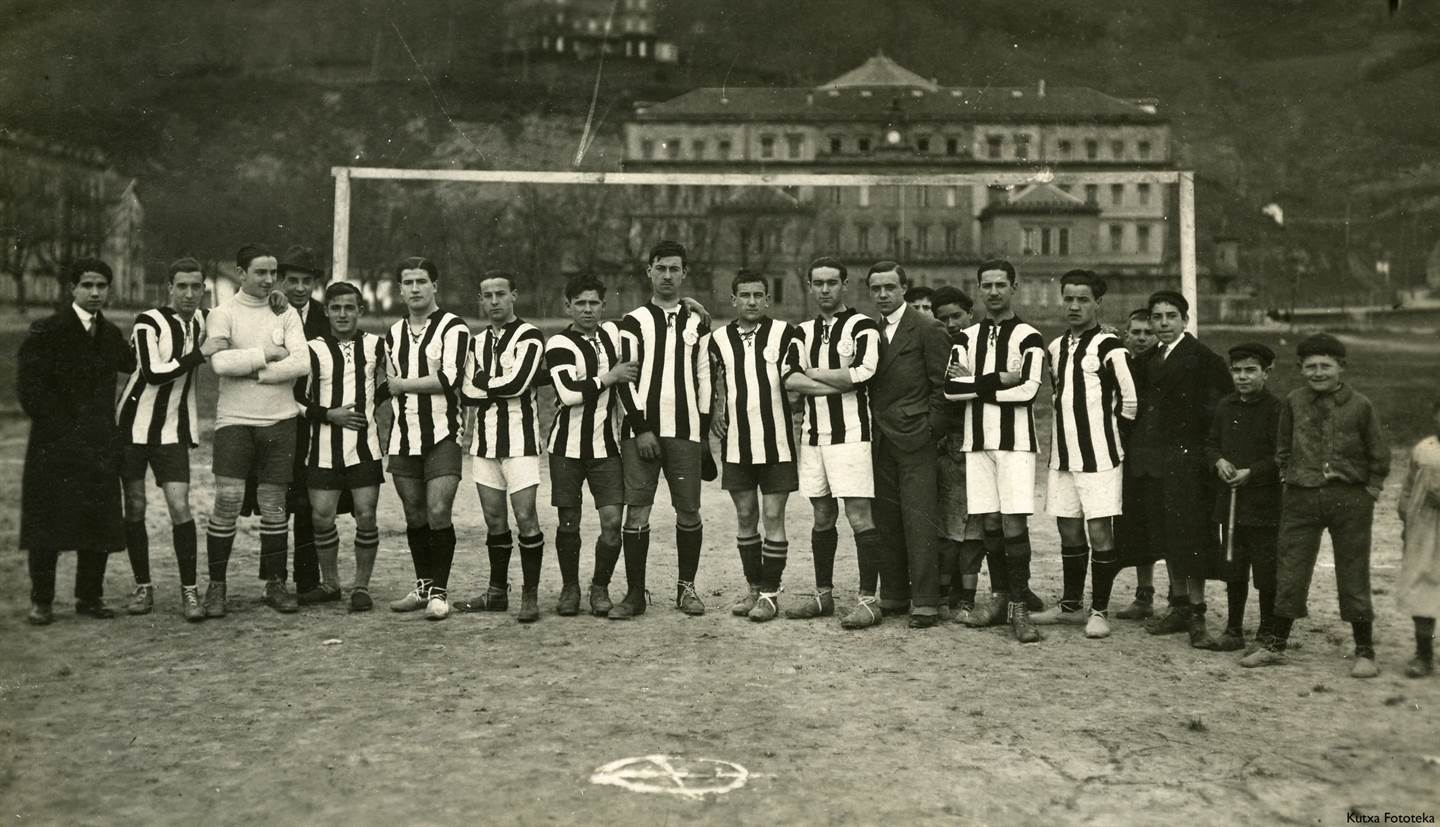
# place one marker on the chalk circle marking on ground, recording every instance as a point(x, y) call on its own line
point(672, 775)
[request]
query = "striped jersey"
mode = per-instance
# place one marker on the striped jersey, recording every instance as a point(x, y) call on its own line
point(158, 405)
point(424, 419)
point(673, 389)
point(587, 414)
point(850, 341)
point(1091, 387)
point(996, 418)
point(343, 374)
point(500, 383)
point(757, 409)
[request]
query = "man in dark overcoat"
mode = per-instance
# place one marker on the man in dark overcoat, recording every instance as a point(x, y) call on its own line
point(71, 495)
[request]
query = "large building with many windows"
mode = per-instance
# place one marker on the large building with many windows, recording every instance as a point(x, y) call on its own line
point(584, 29)
point(882, 117)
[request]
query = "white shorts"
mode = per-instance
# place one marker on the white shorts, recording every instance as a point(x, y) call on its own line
point(511, 474)
point(842, 471)
point(1088, 494)
point(1000, 482)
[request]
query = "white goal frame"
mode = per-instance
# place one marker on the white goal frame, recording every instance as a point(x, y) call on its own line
point(340, 250)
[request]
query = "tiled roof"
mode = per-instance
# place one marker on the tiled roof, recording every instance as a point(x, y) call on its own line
point(880, 71)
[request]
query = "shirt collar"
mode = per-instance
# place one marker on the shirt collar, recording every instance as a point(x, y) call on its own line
point(84, 315)
point(894, 318)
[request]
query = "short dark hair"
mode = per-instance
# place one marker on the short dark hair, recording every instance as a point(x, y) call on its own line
point(919, 292)
point(418, 263)
point(1321, 344)
point(666, 248)
point(499, 274)
point(580, 284)
point(887, 266)
point(1087, 278)
point(1140, 313)
point(747, 276)
point(341, 288)
point(827, 261)
point(249, 252)
point(951, 295)
point(184, 264)
point(81, 266)
point(996, 264)
point(1168, 297)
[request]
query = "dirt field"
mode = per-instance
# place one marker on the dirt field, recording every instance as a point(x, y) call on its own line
point(255, 719)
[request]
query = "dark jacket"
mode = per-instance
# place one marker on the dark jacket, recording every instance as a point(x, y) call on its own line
point(1244, 432)
point(67, 385)
point(907, 393)
point(1332, 437)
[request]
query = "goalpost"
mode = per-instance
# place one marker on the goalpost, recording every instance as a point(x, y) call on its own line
point(1184, 181)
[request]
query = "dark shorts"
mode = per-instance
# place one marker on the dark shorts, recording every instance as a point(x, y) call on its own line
point(606, 477)
point(265, 453)
point(442, 460)
point(349, 478)
point(770, 478)
point(679, 459)
point(169, 463)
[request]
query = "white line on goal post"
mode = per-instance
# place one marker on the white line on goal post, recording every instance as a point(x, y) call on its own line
point(1185, 180)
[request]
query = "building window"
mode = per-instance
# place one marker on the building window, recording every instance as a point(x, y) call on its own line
point(1029, 240)
point(794, 146)
point(1142, 238)
point(1117, 238)
point(951, 196)
point(862, 144)
point(647, 149)
point(1092, 194)
point(1117, 194)
point(1063, 149)
point(723, 149)
point(892, 238)
point(1092, 149)
point(767, 146)
point(697, 150)
point(1063, 244)
point(1022, 147)
point(1143, 150)
point(1054, 241)
point(922, 238)
point(834, 196)
point(1142, 194)
point(952, 238)
point(672, 148)
point(922, 144)
point(952, 146)
point(837, 144)
point(862, 238)
point(697, 195)
point(777, 290)
point(922, 196)
point(1117, 150)
point(992, 147)
point(864, 196)
point(834, 238)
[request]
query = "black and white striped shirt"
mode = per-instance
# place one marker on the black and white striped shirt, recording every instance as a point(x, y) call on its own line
point(500, 383)
point(158, 405)
point(343, 374)
point(851, 340)
point(757, 408)
point(995, 418)
point(424, 419)
point(587, 413)
point(673, 390)
point(1092, 387)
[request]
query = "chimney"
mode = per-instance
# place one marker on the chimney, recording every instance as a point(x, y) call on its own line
point(1041, 91)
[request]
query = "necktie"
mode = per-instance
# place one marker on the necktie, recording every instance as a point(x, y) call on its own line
point(94, 327)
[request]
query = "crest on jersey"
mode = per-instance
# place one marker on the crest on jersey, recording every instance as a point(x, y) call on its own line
point(434, 351)
point(691, 338)
point(507, 360)
point(771, 354)
point(1090, 363)
point(1016, 364)
point(845, 348)
point(278, 336)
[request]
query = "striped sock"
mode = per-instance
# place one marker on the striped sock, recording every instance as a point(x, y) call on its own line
point(1073, 561)
point(219, 540)
point(183, 536)
point(532, 557)
point(367, 548)
point(499, 546)
point(274, 548)
point(567, 553)
point(327, 551)
point(749, 557)
point(442, 556)
point(822, 549)
point(688, 540)
point(772, 564)
point(137, 544)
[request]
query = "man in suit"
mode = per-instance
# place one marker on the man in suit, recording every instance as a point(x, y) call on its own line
point(907, 400)
point(1180, 382)
point(71, 495)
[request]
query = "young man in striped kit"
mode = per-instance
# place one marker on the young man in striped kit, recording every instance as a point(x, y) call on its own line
point(668, 430)
point(1091, 391)
point(346, 383)
point(500, 376)
point(263, 354)
point(831, 358)
point(159, 416)
point(589, 379)
point(758, 453)
point(999, 365)
point(427, 350)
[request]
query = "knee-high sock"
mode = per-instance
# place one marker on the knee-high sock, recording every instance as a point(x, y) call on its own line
point(532, 557)
point(327, 552)
point(1424, 637)
point(567, 554)
point(183, 535)
point(274, 533)
point(688, 540)
point(309, 569)
point(1017, 559)
point(749, 548)
point(137, 545)
point(606, 555)
point(995, 561)
point(772, 564)
point(1237, 589)
point(822, 548)
point(499, 547)
point(367, 546)
point(972, 555)
point(90, 574)
point(1104, 568)
point(220, 535)
point(1073, 560)
point(42, 575)
point(869, 549)
point(636, 542)
point(442, 555)
point(418, 537)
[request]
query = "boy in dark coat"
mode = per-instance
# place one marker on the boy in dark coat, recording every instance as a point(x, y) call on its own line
point(71, 487)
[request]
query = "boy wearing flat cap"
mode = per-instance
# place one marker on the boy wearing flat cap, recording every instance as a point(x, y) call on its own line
point(1241, 449)
point(1333, 460)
